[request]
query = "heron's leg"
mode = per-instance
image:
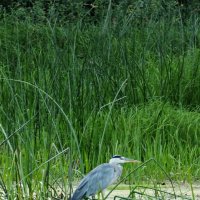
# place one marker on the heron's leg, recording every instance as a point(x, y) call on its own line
point(88, 198)
point(103, 193)
point(98, 196)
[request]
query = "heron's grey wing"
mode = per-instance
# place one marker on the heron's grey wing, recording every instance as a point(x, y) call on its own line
point(80, 192)
point(100, 178)
point(97, 180)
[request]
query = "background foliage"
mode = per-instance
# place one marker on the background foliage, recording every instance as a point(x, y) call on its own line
point(98, 78)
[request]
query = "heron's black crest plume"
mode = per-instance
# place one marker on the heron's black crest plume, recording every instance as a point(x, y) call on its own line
point(116, 156)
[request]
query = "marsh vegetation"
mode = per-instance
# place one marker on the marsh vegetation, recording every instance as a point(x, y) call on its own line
point(76, 89)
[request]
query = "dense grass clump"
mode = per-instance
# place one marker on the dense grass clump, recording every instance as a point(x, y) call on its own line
point(82, 91)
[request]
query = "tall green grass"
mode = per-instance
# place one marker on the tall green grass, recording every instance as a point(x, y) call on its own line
point(127, 86)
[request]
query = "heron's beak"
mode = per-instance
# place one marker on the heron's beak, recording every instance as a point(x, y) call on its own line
point(128, 160)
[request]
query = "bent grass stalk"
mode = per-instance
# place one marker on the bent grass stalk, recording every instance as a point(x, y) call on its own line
point(54, 101)
point(7, 138)
point(156, 190)
point(66, 117)
point(50, 159)
point(15, 132)
point(108, 116)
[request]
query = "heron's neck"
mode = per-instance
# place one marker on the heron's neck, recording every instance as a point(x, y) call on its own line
point(120, 165)
point(117, 165)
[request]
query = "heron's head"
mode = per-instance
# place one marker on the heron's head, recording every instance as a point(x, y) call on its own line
point(116, 159)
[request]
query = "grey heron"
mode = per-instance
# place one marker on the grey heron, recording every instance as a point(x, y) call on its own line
point(101, 177)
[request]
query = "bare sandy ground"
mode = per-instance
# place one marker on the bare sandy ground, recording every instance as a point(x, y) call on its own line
point(183, 189)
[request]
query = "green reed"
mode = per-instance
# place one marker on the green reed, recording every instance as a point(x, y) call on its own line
point(126, 85)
